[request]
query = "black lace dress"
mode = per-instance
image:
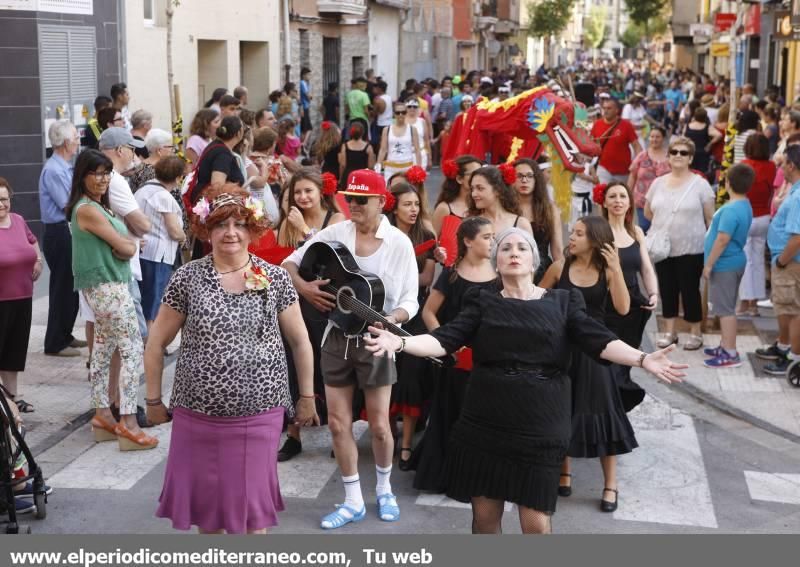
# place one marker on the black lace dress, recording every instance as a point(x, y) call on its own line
point(515, 428)
point(600, 426)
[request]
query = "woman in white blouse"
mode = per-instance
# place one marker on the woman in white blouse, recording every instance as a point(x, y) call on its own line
point(680, 205)
point(161, 243)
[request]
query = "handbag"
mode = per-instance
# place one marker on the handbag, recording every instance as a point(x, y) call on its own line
point(657, 239)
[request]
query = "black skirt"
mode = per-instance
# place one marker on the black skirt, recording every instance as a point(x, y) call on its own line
point(600, 426)
point(414, 378)
point(511, 438)
point(429, 456)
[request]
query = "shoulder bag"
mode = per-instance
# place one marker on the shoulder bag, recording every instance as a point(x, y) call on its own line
point(657, 239)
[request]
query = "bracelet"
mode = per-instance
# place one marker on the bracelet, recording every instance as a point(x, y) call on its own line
point(402, 345)
point(311, 397)
point(155, 402)
point(641, 359)
point(38, 258)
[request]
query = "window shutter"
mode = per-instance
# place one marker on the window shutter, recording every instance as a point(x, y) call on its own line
point(67, 64)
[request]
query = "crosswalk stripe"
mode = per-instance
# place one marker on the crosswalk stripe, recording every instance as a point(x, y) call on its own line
point(773, 487)
point(664, 481)
point(306, 475)
point(105, 467)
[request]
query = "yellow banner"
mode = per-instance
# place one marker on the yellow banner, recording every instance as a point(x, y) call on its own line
point(720, 49)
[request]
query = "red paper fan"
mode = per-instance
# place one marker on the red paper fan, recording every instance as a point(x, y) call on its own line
point(423, 247)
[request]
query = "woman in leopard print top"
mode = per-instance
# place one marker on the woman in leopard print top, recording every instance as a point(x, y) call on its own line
point(231, 389)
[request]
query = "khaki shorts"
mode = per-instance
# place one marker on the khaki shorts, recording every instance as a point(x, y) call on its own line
point(358, 368)
point(786, 289)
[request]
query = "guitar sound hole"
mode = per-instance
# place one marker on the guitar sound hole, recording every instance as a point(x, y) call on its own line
point(346, 291)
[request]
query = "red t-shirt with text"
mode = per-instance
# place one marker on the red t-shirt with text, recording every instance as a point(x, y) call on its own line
point(616, 153)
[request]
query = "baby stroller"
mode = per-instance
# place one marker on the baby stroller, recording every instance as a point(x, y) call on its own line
point(14, 451)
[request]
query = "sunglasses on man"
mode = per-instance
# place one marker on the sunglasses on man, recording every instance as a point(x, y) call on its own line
point(358, 200)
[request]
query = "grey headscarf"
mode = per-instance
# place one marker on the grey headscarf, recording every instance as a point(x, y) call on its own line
point(524, 234)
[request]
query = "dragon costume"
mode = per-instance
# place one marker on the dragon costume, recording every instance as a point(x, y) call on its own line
point(534, 121)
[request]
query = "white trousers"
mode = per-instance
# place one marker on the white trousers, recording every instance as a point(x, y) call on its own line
point(754, 281)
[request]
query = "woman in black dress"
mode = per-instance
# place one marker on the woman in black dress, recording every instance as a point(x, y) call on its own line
point(472, 269)
point(616, 202)
point(600, 427)
point(412, 388)
point(327, 148)
point(514, 430)
point(543, 214)
point(356, 153)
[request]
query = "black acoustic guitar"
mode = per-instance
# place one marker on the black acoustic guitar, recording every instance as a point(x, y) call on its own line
point(359, 294)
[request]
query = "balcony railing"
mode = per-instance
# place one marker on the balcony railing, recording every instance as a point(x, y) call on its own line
point(348, 7)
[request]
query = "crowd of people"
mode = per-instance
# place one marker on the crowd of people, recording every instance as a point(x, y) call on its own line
point(534, 339)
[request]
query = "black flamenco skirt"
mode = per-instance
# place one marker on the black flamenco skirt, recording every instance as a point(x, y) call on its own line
point(315, 325)
point(600, 426)
point(629, 328)
point(414, 385)
point(511, 439)
point(429, 456)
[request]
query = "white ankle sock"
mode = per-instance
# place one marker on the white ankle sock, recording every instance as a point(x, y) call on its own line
point(784, 348)
point(384, 486)
point(352, 492)
point(792, 355)
point(732, 353)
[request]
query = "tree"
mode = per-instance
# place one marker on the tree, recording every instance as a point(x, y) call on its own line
point(646, 12)
point(631, 36)
point(548, 18)
point(595, 29)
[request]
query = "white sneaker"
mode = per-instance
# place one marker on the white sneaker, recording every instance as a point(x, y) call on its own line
point(765, 304)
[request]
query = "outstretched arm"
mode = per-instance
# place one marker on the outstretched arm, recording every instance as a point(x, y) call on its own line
point(385, 343)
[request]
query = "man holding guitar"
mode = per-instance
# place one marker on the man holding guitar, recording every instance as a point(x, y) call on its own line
point(383, 250)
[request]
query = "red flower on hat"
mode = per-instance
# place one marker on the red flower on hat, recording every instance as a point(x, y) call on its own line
point(329, 184)
point(326, 125)
point(599, 193)
point(391, 201)
point(416, 175)
point(450, 169)
point(509, 172)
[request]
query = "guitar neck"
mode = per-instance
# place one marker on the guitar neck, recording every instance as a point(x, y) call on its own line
point(367, 313)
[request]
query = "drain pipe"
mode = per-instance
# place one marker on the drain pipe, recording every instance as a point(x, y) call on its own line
point(287, 43)
point(403, 19)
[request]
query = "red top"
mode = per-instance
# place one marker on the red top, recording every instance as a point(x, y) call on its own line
point(760, 193)
point(616, 153)
point(17, 257)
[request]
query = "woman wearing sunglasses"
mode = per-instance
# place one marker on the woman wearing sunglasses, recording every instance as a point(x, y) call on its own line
point(416, 120)
point(680, 205)
point(400, 145)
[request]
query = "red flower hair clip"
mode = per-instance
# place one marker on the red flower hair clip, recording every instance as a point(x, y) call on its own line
point(329, 184)
point(509, 172)
point(416, 175)
point(599, 193)
point(326, 125)
point(390, 203)
point(352, 131)
point(450, 169)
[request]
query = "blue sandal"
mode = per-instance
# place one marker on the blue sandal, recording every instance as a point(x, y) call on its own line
point(341, 516)
point(388, 510)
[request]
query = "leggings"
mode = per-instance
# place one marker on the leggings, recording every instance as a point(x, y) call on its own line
point(679, 279)
point(115, 327)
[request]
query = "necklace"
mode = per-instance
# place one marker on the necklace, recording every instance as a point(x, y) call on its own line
point(531, 295)
point(231, 271)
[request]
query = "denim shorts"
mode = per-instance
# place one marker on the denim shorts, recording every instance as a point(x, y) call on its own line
point(155, 277)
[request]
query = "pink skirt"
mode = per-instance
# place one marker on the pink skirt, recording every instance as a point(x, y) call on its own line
point(222, 472)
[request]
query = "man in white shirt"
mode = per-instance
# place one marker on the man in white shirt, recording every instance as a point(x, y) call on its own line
point(119, 146)
point(383, 250)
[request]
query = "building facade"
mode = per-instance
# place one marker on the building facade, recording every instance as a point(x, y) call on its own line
point(213, 45)
point(54, 63)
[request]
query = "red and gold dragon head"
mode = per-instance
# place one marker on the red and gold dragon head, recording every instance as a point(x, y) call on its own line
point(521, 125)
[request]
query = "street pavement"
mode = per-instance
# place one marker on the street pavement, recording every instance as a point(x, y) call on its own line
point(718, 454)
